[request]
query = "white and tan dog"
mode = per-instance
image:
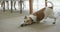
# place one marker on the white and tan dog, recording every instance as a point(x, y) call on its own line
point(42, 14)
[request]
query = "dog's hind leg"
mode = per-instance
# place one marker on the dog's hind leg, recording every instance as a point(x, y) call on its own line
point(53, 17)
point(54, 21)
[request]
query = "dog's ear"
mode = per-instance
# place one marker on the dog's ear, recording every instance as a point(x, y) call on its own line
point(25, 17)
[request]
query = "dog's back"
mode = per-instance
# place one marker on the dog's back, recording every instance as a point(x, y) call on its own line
point(43, 12)
point(40, 14)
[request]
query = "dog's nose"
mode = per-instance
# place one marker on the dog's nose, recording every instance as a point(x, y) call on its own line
point(21, 25)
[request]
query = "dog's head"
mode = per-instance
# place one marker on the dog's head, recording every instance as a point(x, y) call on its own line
point(27, 21)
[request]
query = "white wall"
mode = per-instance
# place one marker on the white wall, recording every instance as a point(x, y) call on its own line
point(37, 4)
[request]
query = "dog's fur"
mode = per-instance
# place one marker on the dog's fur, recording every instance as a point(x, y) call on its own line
point(42, 14)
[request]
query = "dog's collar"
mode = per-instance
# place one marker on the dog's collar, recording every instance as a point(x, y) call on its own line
point(32, 20)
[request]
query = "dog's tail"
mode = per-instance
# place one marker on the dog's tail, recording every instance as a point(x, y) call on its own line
point(51, 4)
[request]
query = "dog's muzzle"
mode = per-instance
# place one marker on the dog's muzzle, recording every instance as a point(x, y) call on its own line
point(22, 25)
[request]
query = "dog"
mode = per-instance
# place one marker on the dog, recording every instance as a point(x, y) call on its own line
point(40, 15)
